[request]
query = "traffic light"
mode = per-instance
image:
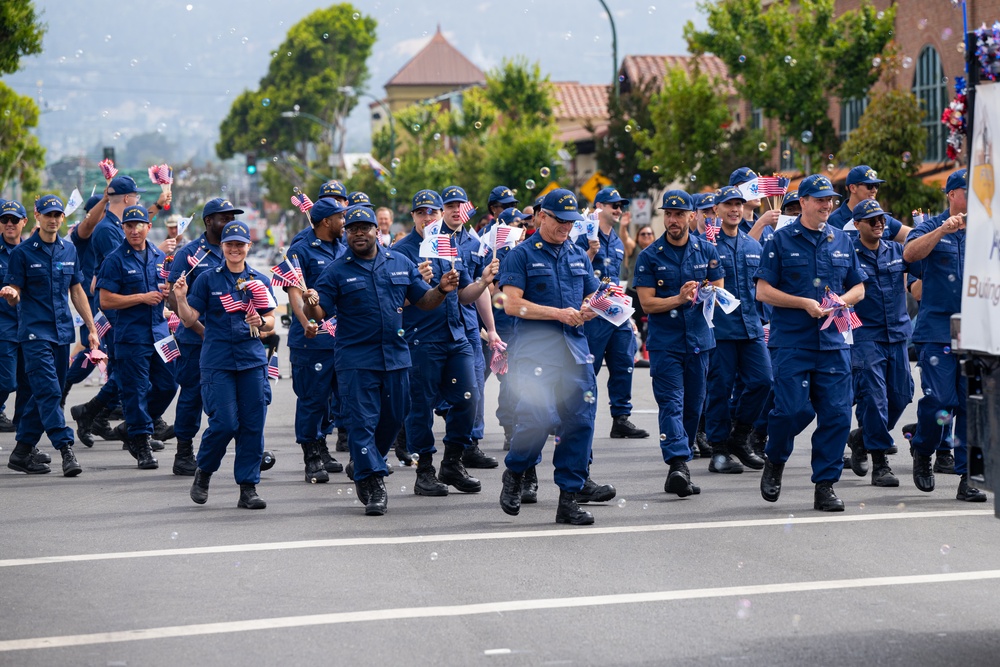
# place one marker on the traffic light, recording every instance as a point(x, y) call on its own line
point(252, 164)
point(109, 153)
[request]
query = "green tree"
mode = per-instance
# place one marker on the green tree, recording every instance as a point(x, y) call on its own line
point(690, 137)
point(891, 140)
point(20, 33)
point(619, 154)
point(321, 55)
point(21, 156)
point(790, 58)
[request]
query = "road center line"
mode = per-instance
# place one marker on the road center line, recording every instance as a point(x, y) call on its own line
point(482, 608)
point(474, 537)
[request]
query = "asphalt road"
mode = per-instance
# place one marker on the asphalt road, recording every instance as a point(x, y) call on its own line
point(119, 567)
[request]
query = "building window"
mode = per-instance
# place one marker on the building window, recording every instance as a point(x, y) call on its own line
point(851, 111)
point(931, 91)
point(757, 118)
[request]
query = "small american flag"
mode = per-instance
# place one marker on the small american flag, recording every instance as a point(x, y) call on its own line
point(772, 186)
point(329, 327)
point(173, 322)
point(168, 349)
point(600, 301)
point(272, 368)
point(466, 211)
point(233, 304)
point(616, 290)
point(712, 232)
point(767, 333)
point(102, 324)
point(843, 318)
point(503, 231)
point(286, 274)
point(195, 259)
point(445, 247)
point(107, 169)
point(498, 361)
point(260, 296)
point(164, 269)
point(302, 202)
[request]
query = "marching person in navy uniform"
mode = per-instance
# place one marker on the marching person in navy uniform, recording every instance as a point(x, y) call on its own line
point(883, 385)
point(42, 270)
point(547, 281)
point(200, 256)
point(12, 220)
point(668, 275)
point(314, 380)
point(812, 366)
point(129, 283)
point(478, 314)
point(367, 288)
point(940, 244)
point(330, 190)
point(862, 185)
point(443, 364)
point(757, 227)
point(739, 346)
point(616, 345)
point(234, 383)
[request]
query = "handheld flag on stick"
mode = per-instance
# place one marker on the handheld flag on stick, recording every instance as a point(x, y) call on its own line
point(273, 373)
point(710, 296)
point(74, 202)
point(96, 358)
point(164, 269)
point(611, 304)
point(173, 322)
point(498, 361)
point(329, 327)
point(301, 201)
point(107, 169)
point(163, 176)
point(286, 274)
point(840, 314)
point(102, 324)
point(466, 211)
point(167, 348)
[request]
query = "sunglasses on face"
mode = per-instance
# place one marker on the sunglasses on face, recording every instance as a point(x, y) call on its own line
point(645, 233)
point(616, 206)
point(871, 186)
point(877, 220)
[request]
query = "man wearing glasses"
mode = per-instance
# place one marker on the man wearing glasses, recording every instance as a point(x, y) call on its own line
point(883, 384)
point(863, 183)
point(606, 341)
point(12, 220)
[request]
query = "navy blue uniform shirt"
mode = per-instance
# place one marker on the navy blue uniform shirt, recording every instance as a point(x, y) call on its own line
point(210, 258)
point(313, 255)
point(801, 262)
point(468, 249)
point(559, 276)
point(127, 271)
point(844, 214)
point(942, 272)
point(740, 258)
point(368, 297)
point(607, 262)
point(683, 329)
point(228, 345)
point(883, 310)
point(44, 272)
point(8, 313)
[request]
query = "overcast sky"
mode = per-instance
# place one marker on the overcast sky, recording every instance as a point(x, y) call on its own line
point(111, 70)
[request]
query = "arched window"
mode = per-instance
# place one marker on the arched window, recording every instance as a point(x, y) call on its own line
point(931, 90)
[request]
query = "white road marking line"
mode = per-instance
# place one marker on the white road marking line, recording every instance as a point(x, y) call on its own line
point(482, 608)
point(474, 537)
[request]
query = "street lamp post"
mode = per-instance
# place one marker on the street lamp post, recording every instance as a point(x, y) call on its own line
point(614, 49)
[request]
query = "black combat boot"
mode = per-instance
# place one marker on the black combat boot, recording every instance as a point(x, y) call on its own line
point(101, 426)
point(969, 494)
point(510, 494)
point(84, 416)
point(378, 500)
point(508, 431)
point(184, 461)
point(144, 453)
point(679, 479)
point(722, 462)
point(881, 472)
point(6, 425)
point(859, 455)
point(923, 477)
point(249, 498)
point(739, 446)
point(704, 450)
point(770, 480)
point(199, 488)
point(40, 457)
point(427, 483)
point(21, 460)
point(342, 440)
point(944, 462)
point(453, 471)
point(825, 500)
point(621, 427)
point(569, 511)
point(330, 464)
point(757, 440)
point(529, 487)
point(162, 431)
point(473, 457)
point(315, 472)
point(592, 492)
point(71, 467)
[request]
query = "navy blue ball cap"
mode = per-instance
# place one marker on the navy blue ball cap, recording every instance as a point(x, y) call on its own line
point(816, 185)
point(123, 185)
point(790, 198)
point(9, 208)
point(562, 205)
point(453, 193)
point(862, 174)
point(510, 215)
point(359, 199)
point(219, 205)
point(729, 193)
point(869, 208)
point(610, 196)
point(360, 215)
point(957, 180)
point(236, 231)
point(332, 189)
point(427, 199)
point(678, 200)
point(324, 208)
point(501, 194)
point(538, 203)
point(92, 201)
point(135, 214)
point(741, 176)
point(703, 201)
point(48, 204)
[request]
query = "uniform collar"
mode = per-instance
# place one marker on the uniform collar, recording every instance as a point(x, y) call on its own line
point(693, 244)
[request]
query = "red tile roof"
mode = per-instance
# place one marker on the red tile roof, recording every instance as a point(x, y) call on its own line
point(642, 68)
point(438, 64)
point(576, 100)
